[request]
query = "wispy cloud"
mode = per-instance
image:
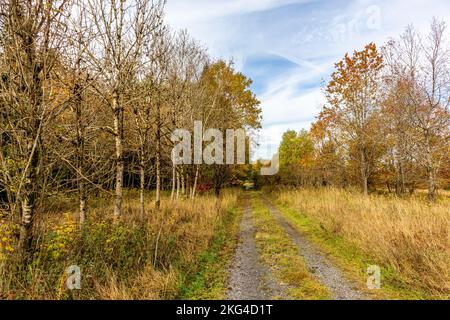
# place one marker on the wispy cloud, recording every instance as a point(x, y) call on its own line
point(195, 11)
point(288, 47)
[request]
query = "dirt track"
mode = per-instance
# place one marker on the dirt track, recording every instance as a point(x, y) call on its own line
point(250, 280)
point(328, 274)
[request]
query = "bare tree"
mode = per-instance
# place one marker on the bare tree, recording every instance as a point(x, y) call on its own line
point(185, 67)
point(423, 66)
point(123, 29)
point(30, 43)
point(157, 71)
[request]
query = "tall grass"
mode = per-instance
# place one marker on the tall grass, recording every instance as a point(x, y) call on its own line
point(411, 236)
point(124, 258)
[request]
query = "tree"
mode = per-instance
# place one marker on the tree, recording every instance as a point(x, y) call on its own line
point(232, 106)
point(352, 96)
point(90, 91)
point(185, 68)
point(30, 40)
point(123, 30)
point(296, 157)
point(420, 67)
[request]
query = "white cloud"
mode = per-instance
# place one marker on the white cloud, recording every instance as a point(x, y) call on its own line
point(295, 97)
point(313, 34)
point(283, 108)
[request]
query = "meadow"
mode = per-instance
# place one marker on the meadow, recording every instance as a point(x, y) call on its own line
point(120, 258)
point(409, 238)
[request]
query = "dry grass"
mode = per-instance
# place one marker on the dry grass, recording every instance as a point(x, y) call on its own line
point(410, 236)
point(124, 258)
point(150, 284)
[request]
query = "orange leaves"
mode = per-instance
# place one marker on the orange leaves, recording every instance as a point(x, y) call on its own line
point(326, 119)
point(349, 118)
point(353, 72)
point(354, 83)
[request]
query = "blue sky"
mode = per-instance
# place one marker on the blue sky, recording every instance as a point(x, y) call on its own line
point(289, 47)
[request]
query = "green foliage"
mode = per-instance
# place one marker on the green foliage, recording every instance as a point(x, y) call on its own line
point(296, 156)
point(295, 147)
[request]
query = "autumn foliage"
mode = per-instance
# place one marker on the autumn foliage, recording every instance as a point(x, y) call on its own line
point(386, 122)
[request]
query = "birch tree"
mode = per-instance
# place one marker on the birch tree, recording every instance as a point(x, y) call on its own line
point(31, 40)
point(185, 67)
point(123, 28)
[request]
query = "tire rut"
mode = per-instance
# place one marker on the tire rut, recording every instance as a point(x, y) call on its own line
point(329, 275)
point(249, 279)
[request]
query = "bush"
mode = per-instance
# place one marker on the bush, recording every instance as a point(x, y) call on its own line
point(124, 258)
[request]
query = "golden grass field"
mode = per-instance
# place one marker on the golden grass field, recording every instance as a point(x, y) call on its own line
point(409, 236)
point(184, 250)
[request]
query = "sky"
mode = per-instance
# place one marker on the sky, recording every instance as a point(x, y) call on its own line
point(289, 47)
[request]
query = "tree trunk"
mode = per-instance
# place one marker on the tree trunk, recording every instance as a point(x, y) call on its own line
point(194, 187)
point(432, 185)
point(82, 198)
point(364, 178)
point(26, 239)
point(217, 190)
point(142, 182)
point(158, 156)
point(28, 202)
point(400, 180)
point(178, 185)
point(188, 186)
point(183, 183)
point(80, 154)
point(118, 131)
point(33, 136)
point(174, 177)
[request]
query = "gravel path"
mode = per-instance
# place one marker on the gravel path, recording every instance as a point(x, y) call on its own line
point(249, 280)
point(330, 276)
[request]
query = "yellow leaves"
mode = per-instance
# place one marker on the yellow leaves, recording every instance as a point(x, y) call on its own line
point(356, 76)
point(237, 104)
point(61, 238)
point(7, 241)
